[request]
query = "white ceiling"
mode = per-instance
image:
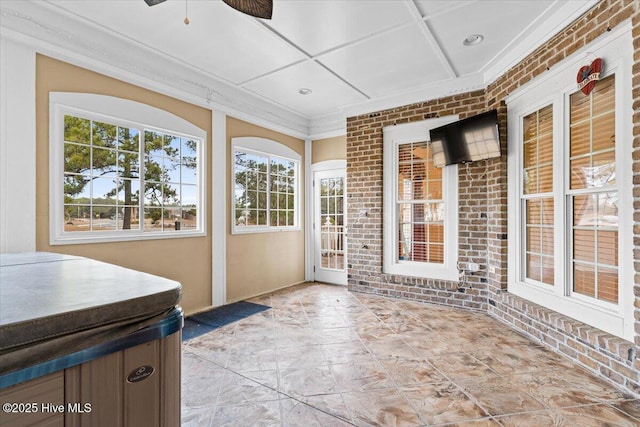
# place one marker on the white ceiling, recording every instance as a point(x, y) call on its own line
point(356, 56)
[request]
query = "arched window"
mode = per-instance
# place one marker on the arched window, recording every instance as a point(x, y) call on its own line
point(266, 188)
point(122, 170)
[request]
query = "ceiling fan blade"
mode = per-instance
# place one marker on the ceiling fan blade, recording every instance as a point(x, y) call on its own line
point(258, 8)
point(153, 2)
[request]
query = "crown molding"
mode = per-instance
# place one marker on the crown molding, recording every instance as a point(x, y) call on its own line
point(54, 32)
point(60, 34)
point(540, 32)
point(435, 90)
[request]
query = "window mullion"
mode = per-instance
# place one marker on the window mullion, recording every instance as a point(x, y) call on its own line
point(567, 258)
point(596, 257)
point(91, 178)
point(269, 195)
point(142, 167)
point(118, 178)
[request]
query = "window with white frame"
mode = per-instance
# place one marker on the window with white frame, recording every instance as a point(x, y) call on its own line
point(593, 193)
point(420, 204)
point(537, 195)
point(569, 172)
point(266, 187)
point(121, 170)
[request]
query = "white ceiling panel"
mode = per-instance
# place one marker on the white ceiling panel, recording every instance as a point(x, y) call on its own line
point(501, 24)
point(356, 55)
point(394, 61)
point(328, 90)
point(317, 26)
point(218, 39)
point(431, 8)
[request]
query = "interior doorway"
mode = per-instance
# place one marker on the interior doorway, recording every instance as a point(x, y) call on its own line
point(329, 222)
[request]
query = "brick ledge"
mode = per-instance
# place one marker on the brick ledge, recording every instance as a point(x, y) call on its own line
point(611, 358)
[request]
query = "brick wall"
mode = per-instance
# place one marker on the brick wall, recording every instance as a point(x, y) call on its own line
point(483, 211)
point(364, 195)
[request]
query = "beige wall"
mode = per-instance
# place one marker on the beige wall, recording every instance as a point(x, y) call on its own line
point(187, 260)
point(258, 263)
point(329, 149)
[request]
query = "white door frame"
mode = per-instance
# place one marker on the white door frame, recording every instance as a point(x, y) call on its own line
point(327, 165)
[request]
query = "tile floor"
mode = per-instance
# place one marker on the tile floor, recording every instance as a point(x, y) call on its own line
point(323, 356)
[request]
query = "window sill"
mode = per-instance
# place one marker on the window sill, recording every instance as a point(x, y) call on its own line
point(256, 230)
point(80, 240)
point(424, 270)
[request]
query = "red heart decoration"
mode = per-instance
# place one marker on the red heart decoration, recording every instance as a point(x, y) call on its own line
point(589, 75)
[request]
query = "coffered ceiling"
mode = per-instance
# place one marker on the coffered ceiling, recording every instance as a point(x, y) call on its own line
point(355, 56)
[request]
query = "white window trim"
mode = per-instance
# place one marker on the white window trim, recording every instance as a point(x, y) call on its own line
point(554, 87)
point(270, 148)
point(123, 112)
point(392, 137)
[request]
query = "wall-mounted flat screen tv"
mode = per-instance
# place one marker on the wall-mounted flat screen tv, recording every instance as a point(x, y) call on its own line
point(468, 140)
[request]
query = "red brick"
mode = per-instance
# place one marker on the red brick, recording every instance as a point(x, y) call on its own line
point(484, 190)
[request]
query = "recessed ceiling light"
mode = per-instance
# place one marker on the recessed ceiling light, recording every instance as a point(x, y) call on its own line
point(473, 40)
point(304, 91)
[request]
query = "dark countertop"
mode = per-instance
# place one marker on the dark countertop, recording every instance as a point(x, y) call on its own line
point(46, 297)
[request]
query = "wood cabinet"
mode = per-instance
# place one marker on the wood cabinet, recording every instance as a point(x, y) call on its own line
point(103, 392)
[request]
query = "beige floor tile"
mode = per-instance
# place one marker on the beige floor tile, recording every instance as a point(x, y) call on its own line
point(331, 403)
point(460, 366)
point(254, 414)
point(253, 358)
point(554, 391)
point(534, 419)
point(323, 356)
point(410, 371)
point(194, 365)
point(499, 337)
point(325, 322)
point(442, 403)
point(431, 344)
point(499, 395)
point(412, 327)
point(201, 391)
point(255, 335)
point(336, 335)
point(296, 337)
point(211, 348)
point(236, 389)
point(584, 416)
point(372, 330)
point(196, 417)
point(299, 321)
point(361, 376)
point(487, 422)
point(381, 408)
point(630, 407)
point(571, 382)
point(268, 378)
point(352, 351)
point(298, 414)
point(307, 381)
point(520, 359)
point(392, 345)
point(305, 355)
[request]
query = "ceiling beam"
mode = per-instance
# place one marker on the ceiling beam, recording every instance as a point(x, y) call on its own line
point(431, 39)
point(308, 57)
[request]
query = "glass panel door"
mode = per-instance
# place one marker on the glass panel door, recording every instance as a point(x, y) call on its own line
point(329, 226)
